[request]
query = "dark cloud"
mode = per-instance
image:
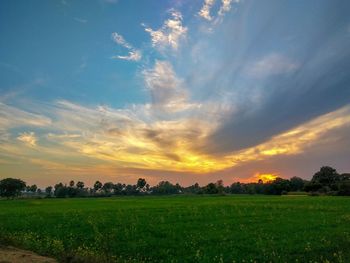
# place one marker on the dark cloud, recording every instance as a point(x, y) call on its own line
point(319, 81)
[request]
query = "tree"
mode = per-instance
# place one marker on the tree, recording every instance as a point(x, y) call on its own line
point(220, 186)
point(325, 180)
point(327, 176)
point(211, 189)
point(108, 187)
point(71, 183)
point(80, 185)
point(97, 186)
point(141, 183)
point(33, 188)
point(296, 184)
point(48, 190)
point(278, 186)
point(130, 189)
point(345, 177)
point(118, 188)
point(11, 187)
point(237, 188)
point(60, 190)
point(194, 189)
point(164, 188)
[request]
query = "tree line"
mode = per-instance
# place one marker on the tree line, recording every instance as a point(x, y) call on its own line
point(326, 181)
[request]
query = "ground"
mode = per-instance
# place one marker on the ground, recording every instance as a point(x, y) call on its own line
point(15, 255)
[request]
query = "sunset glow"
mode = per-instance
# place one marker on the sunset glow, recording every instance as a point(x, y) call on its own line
point(183, 91)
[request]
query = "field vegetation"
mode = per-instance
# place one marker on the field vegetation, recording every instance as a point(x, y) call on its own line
point(181, 228)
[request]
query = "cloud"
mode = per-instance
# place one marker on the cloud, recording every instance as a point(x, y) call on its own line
point(13, 117)
point(4, 136)
point(167, 90)
point(80, 20)
point(170, 34)
point(205, 10)
point(119, 39)
point(28, 138)
point(225, 7)
point(63, 136)
point(272, 64)
point(297, 139)
point(224, 107)
point(133, 54)
point(208, 5)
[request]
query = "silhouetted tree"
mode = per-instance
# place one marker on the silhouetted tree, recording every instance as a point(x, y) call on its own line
point(237, 188)
point(108, 187)
point(220, 186)
point(80, 185)
point(97, 186)
point(277, 186)
point(60, 190)
point(48, 191)
point(33, 188)
point(11, 187)
point(141, 183)
point(325, 180)
point(130, 189)
point(71, 183)
point(193, 189)
point(211, 189)
point(164, 188)
point(296, 183)
point(118, 188)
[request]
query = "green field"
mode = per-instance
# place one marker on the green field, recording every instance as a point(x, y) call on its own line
point(181, 228)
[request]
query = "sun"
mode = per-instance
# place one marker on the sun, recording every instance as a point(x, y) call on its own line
point(265, 177)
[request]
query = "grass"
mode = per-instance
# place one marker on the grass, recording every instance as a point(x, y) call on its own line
point(181, 228)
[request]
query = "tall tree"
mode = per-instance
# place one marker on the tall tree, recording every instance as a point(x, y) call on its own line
point(97, 186)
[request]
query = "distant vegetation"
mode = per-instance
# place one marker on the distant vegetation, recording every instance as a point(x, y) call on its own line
point(326, 181)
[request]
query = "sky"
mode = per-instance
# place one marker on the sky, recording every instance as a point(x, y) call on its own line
point(184, 91)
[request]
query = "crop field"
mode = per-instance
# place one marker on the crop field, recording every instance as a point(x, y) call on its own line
point(181, 228)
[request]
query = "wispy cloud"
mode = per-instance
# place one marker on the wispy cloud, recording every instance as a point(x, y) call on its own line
point(80, 20)
point(14, 117)
point(205, 10)
point(28, 138)
point(272, 64)
point(133, 54)
point(170, 34)
point(226, 6)
point(167, 90)
point(119, 39)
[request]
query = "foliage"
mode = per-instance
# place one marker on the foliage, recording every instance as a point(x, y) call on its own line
point(165, 187)
point(10, 187)
point(325, 181)
point(328, 181)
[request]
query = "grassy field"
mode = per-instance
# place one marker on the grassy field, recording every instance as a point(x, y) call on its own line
point(182, 228)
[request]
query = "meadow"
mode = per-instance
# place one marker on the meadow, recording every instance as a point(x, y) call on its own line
point(233, 228)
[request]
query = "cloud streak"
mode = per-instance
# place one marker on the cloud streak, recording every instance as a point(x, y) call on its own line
point(170, 34)
point(133, 54)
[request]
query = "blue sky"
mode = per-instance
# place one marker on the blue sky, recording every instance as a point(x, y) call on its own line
point(174, 90)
